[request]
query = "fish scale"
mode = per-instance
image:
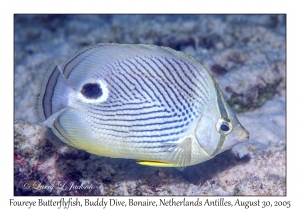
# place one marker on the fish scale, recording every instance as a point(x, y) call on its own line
point(143, 102)
point(154, 131)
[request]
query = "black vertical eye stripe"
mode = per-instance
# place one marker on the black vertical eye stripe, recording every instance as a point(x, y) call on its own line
point(220, 102)
point(223, 114)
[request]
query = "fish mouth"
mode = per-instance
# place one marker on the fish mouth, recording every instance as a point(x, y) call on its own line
point(241, 138)
point(230, 143)
point(244, 135)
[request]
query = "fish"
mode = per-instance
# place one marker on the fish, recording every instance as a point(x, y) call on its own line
point(153, 104)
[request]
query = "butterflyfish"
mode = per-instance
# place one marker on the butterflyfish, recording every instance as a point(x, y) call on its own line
point(153, 104)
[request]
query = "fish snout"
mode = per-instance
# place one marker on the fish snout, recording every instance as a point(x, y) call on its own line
point(244, 134)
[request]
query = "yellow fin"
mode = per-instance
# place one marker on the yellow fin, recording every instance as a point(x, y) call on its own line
point(155, 163)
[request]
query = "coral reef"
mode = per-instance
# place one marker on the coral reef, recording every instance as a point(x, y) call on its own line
point(46, 166)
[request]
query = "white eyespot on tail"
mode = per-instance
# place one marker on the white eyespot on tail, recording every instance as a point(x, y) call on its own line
point(93, 92)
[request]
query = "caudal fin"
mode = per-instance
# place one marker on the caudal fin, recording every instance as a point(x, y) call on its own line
point(53, 93)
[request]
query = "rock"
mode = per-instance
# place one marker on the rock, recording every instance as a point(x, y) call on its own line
point(43, 165)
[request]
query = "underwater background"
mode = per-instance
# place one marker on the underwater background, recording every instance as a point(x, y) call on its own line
point(246, 55)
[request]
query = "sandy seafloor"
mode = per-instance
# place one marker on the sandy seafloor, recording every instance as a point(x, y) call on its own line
point(246, 54)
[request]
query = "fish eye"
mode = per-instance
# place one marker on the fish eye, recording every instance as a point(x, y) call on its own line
point(224, 126)
point(91, 90)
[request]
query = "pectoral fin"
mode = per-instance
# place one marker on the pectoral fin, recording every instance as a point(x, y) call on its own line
point(179, 155)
